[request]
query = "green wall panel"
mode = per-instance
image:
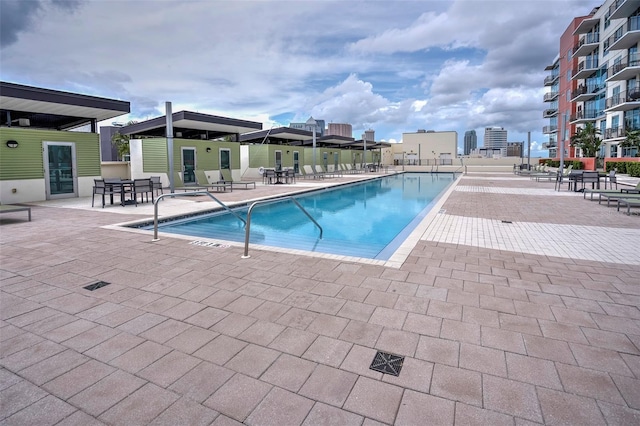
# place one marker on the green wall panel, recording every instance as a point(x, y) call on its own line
point(154, 155)
point(158, 161)
point(26, 161)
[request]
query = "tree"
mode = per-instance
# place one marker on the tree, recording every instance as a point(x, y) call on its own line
point(632, 140)
point(121, 142)
point(586, 138)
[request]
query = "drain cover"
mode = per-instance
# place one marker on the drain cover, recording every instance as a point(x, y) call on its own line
point(96, 286)
point(387, 363)
point(506, 221)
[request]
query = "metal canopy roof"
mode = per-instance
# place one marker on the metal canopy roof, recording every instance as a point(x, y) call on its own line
point(191, 125)
point(279, 135)
point(329, 141)
point(54, 109)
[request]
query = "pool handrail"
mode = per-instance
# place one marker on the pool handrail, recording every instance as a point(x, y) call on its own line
point(248, 223)
point(175, 194)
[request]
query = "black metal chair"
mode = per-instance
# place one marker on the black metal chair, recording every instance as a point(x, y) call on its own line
point(157, 184)
point(612, 179)
point(102, 189)
point(142, 187)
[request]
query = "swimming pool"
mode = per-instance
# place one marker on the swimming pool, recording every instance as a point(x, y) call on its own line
point(367, 219)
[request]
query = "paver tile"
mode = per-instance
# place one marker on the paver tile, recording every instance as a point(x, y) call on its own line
point(505, 340)
point(106, 392)
point(329, 385)
point(553, 350)
point(328, 325)
point(532, 370)
point(202, 381)
point(169, 368)
point(460, 331)
point(375, 399)
point(192, 339)
point(457, 384)
point(419, 408)
point(46, 411)
point(563, 408)
point(591, 383)
point(252, 360)
point(18, 396)
point(141, 407)
point(484, 360)
point(238, 396)
point(288, 372)
point(361, 333)
point(600, 359)
point(114, 347)
point(185, 411)
point(630, 389)
point(140, 357)
point(439, 351)
point(328, 351)
point(511, 397)
point(77, 379)
point(359, 360)
point(467, 415)
point(397, 342)
point(280, 407)
point(323, 414)
point(220, 350)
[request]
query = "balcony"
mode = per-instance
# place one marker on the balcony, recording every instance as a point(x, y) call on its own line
point(614, 133)
point(585, 68)
point(623, 101)
point(627, 35)
point(626, 69)
point(586, 45)
point(622, 8)
point(550, 96)
point(551, 79)
point(584, 93)
point(585, 116)
point(549, 129)
point(549, 145)
point(586, 25)
point(549, 112)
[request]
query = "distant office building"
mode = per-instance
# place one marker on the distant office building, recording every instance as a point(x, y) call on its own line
point(470, 141)
point(320, 129)
point(495, 137)
point(369, 135)
point(515, 149)
point(340, 129)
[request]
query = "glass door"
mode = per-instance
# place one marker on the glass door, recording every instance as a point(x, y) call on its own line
point(225, 159)
point(60, 173)
point(188, 165)
point(296, 161)
point(278, 160)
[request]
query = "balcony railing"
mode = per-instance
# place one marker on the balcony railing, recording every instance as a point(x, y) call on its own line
point(631, 95)
point(550, 79)
point(550, 129)
point(618, 67)
point(586, 115)
point(622, 8)
point(627, 35)
point(548, 97)
point(589, 65)
point(614, 132)
point(588, 39)
point(550, 112)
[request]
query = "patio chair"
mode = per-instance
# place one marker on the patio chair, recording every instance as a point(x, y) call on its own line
point(635, 190)
point(612, 179)
point(102, 189)
point(142, 187)
point(227, 177)
point(203, 181)
point(179, 184)
point(310, 173)
point(157, 184)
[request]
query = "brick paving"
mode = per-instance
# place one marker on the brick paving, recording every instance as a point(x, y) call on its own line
point(188, 334)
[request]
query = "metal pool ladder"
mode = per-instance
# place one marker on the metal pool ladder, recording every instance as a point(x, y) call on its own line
point(155, 208)
point(248, 223)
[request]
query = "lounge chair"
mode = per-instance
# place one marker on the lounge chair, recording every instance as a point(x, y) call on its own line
point(179, 184)
point(310, 173)
point(635, 190)
point(326, 173)
point(628, 202)
point(228, 178)
point(617, 196)
point(201, 178)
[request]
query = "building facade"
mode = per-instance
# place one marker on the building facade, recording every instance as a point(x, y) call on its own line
point(430, 147)
point(495, 138)
point(598, 78)
point(340, 129)
point(320, 129)
point(470, 141)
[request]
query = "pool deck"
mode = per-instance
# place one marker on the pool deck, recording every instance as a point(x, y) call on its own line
point(513, 304)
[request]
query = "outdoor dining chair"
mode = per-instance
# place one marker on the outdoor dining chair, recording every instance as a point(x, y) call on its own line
point(100, 188)
point(142, 187)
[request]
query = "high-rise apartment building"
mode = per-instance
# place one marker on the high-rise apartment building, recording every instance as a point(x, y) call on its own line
point(340, 129)
point(320, 129)
point(496, 138)
point(369, 135)
point(599, 77)
point(470, 141)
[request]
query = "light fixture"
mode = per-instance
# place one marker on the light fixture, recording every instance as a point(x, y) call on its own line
point(208, 149)
point(12, 144)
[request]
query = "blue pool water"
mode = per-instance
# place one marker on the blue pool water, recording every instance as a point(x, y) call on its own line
point(367, 219)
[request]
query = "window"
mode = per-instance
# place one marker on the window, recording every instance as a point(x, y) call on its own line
point(613, 151)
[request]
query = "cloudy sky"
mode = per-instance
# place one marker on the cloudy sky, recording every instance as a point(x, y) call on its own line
point(393, 66)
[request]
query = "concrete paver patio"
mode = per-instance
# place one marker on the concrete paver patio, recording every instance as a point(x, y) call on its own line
point(517, 305)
